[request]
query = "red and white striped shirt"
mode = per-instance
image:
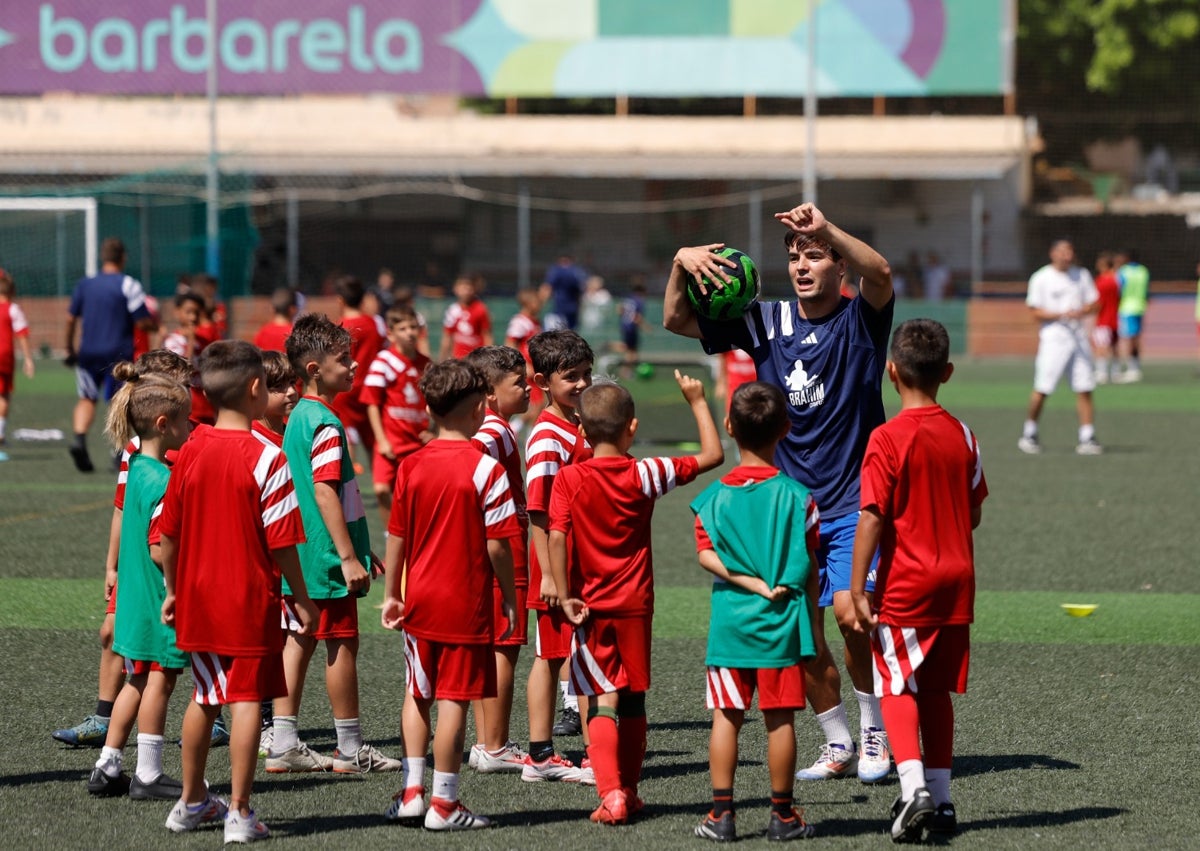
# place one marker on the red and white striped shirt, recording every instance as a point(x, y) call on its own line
point(521, 329)
point(467, 323)
point(497, 439)
point(392, 386)
point(12, 327)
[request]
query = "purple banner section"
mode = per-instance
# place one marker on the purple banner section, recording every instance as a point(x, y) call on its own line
point(267, 47)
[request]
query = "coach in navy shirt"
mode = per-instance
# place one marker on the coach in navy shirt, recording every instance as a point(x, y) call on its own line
point(827, 353)
point(107, 306)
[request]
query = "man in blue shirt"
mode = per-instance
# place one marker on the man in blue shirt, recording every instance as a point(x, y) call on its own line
point(827, 353)
point(108, 305)
point(563, 287)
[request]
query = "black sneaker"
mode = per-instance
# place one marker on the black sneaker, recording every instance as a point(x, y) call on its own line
point(162, 788)
point(717, 829)
point(568, 723)
point(944, 820)
point(102, 785)
point(909, 817)
point(83, 461)
point(785, 829)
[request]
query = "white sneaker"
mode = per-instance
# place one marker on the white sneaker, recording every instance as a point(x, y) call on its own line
point(1101, 377)
point(460, 818)
point(587, 777)
point(365, 760)
point(244, 829)
point(834, 761)
point(407, 805)
point(184, 818)
point(298, 759)
point(554, 768)
point(1029, 445)
point(265, 738)
point(473, 755)
point(1129, 376)
point(510, 759)
point(1089, 447)
point(874, 761)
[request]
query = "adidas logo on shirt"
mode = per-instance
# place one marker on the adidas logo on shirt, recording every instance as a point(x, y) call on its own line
point(810, 340)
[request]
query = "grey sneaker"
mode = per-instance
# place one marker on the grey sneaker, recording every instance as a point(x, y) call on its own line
point(1030, 445)
point(298, 759)
point(90, 732)
point(161, 788)
point(184, 817)
point(366, 760)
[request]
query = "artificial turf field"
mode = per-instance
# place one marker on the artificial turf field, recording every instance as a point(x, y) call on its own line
point(1074, 731)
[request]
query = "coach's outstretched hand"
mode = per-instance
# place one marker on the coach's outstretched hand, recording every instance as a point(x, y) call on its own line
point(805, 219)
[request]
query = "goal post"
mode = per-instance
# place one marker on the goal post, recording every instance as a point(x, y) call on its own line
point(36, 242)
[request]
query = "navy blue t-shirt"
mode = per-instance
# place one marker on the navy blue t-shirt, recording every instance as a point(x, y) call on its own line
point(831, 372)
point(109, 304)
point(566, 288)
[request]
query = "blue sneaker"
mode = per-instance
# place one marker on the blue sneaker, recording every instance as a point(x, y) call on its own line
point(220, 731)
point(874, 760)
point(89, 733)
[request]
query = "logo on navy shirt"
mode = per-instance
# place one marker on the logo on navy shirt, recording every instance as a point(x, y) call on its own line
point(804, 390)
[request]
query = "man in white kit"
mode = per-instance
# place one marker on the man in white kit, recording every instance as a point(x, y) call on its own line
point(1060, 296)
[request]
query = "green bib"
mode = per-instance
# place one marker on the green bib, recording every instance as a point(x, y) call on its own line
point(1135, 289)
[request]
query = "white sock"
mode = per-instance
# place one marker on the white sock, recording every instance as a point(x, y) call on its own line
point(937, 781)
point(445, 785)
point(868, 711)
point(149, 764)
point(3, 426)
point(912, 777)
point(110, 761)
point(284, 735)
point(414, 771)
point(1086, 433)
point(1030, 428)
point(349, 735)
point(836, 727)
point(570, 701)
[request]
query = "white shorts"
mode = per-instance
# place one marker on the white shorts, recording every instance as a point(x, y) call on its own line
point(1057, 355)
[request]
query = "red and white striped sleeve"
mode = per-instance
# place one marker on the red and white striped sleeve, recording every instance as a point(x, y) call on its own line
point(154, 534)
point(380, 377)
point(128, 452)
point(20, 326)
point(499, 510)
point(277, 499)
point(659, 476)
point(495, 438)
point(326, 455)
point(812, 524)
point(548, 449)
point(979, 489)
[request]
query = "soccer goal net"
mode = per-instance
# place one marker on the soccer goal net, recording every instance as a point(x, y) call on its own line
point(47, 244)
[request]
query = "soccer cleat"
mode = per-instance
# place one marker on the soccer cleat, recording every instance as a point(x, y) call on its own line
point(1129, 376)
point(243, 829)
point(83, 461)
point(633, 801)
point(944, 820)
point(716, 829)
point(909, 817)
point(265, 738)
point(834, 761)
point(90, 732)
point(365, 760)
point(1030, 445)
point(509, 759)
point(161, 788)
point(103, 786)
point(184, 817)
point(458, 817)
point(1089, 447)
point(587, 777)
point(613, 809)
point(297, 759)
point(874, 761)
point(554, 768)
point(473, 755)
point(568, 723)
point(408, 805)
point(220, 732)
point(786, 828)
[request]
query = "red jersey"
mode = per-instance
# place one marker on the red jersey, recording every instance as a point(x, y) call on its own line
point(365, 345)
point(272, 337)
point(744, 475)
point(740, 368)
point(922, 472)
point(605, 505)
point(449, 501)
point(1109, 290)
point(229, 503)
point(391, 384)
point(553, 444)
point(133, 447)
point(497, 439)
point(141, 336)
point(265, 436)
point(521, 329)
point(468, 323)
point(12, 327)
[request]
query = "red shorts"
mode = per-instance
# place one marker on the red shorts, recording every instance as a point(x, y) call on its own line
point(552, 638)
point(140, 667)
point(520, 633)
point(1104, 336)
point(237, 679)
point(6, 384)
point(110, 606)
point(611, 654)
point(438, 671)
point(335, 618)
point(778, 688)
point(908, 659)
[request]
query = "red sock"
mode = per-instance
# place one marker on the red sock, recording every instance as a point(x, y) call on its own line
point(937, 728)
point(631, 750)
point(603, 753)
point(903, 726)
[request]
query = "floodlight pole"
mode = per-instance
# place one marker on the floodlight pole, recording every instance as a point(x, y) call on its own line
point(810, 109)
point(212, 255)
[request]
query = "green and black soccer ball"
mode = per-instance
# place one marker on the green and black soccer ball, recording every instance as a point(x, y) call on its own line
point(731, 301)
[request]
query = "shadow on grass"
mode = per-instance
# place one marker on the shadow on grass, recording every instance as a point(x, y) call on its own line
point(667, 726)
point(67, 776)
point(1043, 818)
point(967, 766)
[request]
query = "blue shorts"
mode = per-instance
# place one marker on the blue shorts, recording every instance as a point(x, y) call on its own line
point(834, 557)
point(92, 374)
point(630, 337)
point(1129, 326)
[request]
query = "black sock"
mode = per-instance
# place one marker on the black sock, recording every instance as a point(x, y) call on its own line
point(267, 710)
point(781, 804)
point(541, 751)
point(81, 441)
point(722, 802)
point(104, 708)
